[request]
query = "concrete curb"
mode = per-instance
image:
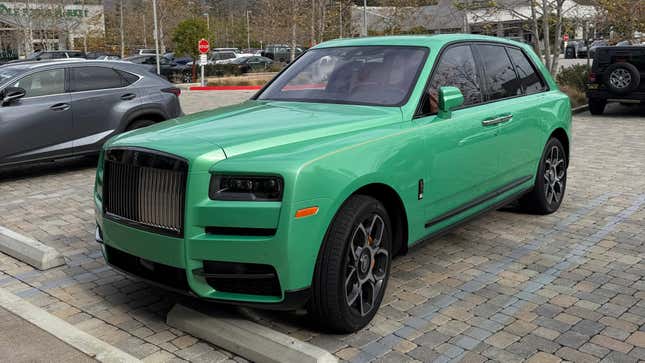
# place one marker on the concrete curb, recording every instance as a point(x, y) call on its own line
point(29, 250)
point(579, 109)
point(63, 330)
point(245, 338)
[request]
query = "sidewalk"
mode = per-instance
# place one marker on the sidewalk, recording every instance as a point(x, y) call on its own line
point(23, 342)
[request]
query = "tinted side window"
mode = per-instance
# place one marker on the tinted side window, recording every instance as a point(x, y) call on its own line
point(128, 77)
point(457, 68)
point(93, 78)
point(500, 77)
point(531, 81)
point(43, 83)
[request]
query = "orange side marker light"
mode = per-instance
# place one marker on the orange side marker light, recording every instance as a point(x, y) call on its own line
point(306, 212)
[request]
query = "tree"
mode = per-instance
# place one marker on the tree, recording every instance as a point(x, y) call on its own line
point(186, 36)
point(624, 17)
point(548, 17)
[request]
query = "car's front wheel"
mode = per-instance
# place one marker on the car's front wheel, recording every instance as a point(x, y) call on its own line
point(353, 267)
point(550, 181)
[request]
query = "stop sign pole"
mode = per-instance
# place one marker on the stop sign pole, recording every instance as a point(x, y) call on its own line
point(203, 47)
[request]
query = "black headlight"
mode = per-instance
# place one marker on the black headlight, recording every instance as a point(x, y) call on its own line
point(237, 187)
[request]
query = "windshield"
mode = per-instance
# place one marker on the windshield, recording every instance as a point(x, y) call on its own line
point(34, 55)
point(7, 73)
point(367, 75)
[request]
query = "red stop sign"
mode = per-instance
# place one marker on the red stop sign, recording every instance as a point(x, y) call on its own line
point(566, 37)
point(203, 46)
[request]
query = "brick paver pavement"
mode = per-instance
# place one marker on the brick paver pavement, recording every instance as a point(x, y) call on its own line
point(505, 287)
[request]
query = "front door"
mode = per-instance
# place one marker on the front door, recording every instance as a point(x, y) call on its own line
point(460, 152)
point(39, 125)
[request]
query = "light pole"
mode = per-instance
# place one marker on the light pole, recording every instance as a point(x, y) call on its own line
point(364, 18)
point(340, 15)
point(154, 15)
point(248, 30)
point(208, 21)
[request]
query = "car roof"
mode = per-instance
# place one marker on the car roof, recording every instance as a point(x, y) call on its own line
point(414, 40)
point(45, 64)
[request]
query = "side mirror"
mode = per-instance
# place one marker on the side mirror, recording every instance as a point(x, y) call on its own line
point(11, 94)
point(449, 98)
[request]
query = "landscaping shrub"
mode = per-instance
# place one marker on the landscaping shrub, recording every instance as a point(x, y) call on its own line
point(574, 76)
point(221, 70)
point(577, 97)
point(573, 81)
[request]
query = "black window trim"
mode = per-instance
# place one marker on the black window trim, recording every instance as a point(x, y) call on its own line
point(125, 81)
point(445, 48)
point(481, 72)
point(485, 91)
point(546, 87)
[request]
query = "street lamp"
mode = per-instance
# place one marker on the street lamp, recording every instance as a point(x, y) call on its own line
point(208, 21)
point(364, 18)
point(248, 30)
point(154, 15)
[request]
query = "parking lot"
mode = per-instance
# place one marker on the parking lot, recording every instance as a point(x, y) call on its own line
point(505, 287)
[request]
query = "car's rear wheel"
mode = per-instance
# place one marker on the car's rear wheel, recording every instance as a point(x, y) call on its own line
point(550, 181)
point(139, 124)
point(353, 267)
point(622, 78)
point(597, 106)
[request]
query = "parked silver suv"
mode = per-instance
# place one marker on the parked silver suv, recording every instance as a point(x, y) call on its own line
point(55, 109)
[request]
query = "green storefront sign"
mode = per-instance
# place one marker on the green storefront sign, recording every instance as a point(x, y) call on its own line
point(40, 12)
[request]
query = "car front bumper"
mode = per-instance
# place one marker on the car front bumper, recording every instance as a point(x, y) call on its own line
point(223, 233)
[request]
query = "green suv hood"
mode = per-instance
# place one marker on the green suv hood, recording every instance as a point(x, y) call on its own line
point(254, 125)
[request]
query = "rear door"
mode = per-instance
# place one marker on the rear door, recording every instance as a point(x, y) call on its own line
point(100, 98)
point(516, 90)
point(39, 125)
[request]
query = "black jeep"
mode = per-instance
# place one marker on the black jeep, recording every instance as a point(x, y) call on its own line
point(616, 76)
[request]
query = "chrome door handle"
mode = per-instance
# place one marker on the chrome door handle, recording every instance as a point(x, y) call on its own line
point(60, 107)
point(497, 120)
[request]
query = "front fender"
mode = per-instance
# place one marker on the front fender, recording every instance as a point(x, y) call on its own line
point(329, 181)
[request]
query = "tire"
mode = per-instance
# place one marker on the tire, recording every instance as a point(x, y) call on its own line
point(621, 78)
point(352, 254)
point(597, 106)
point(138, 124)
point(547, 194)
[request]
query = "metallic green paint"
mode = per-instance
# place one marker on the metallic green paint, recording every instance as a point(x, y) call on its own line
point(325, 153)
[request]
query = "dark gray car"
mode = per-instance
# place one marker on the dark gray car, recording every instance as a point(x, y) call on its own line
point(51, 110)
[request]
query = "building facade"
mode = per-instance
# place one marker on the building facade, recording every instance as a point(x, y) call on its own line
point(506, 18)
point(30, 25)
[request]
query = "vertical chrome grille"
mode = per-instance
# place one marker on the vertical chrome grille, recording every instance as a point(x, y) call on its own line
point(145, 189)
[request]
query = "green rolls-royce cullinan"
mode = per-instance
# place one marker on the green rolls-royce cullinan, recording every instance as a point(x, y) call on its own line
point(301, 196)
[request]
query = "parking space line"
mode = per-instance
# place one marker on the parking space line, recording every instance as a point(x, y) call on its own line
point(68, 333)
